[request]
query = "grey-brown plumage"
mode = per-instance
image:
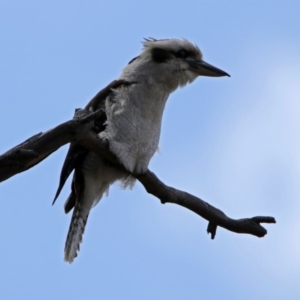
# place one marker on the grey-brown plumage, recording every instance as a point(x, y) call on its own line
point(134, 105)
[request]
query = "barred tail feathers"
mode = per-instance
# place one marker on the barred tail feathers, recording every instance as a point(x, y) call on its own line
point(74, 237)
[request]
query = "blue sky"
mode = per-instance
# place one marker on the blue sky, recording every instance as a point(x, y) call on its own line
point(232, 141)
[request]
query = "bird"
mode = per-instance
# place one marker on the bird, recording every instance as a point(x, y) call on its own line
point(133, 108)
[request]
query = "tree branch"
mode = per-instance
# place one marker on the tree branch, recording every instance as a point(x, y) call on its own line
point(216, 217)
point(38, 147)
point(81, 130)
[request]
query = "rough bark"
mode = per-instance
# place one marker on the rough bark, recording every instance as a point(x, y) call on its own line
point(81, 130)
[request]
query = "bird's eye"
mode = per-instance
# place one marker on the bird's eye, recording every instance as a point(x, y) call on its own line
point(182, 53)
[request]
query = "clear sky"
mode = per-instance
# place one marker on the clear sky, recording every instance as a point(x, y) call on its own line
point(232, 141)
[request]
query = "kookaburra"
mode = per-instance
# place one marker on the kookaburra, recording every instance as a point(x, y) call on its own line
point(134, 108)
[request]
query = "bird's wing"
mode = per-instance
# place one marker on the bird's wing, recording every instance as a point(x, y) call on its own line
point(99, 99)
point(76, 192)
point(77, 153)
point(73, 159)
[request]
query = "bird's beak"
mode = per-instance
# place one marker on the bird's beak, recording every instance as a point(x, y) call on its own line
point(203, 68)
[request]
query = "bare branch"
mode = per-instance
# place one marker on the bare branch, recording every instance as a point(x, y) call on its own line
point(215, 216)
point(80, 130)
point(38, 147)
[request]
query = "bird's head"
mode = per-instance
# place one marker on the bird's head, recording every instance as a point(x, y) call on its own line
point(176, 60)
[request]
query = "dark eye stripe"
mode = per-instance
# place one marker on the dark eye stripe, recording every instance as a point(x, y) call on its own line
point(182, 53)
point(160, 55)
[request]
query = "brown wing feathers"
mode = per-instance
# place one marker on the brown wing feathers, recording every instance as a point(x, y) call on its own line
point(77, 153)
